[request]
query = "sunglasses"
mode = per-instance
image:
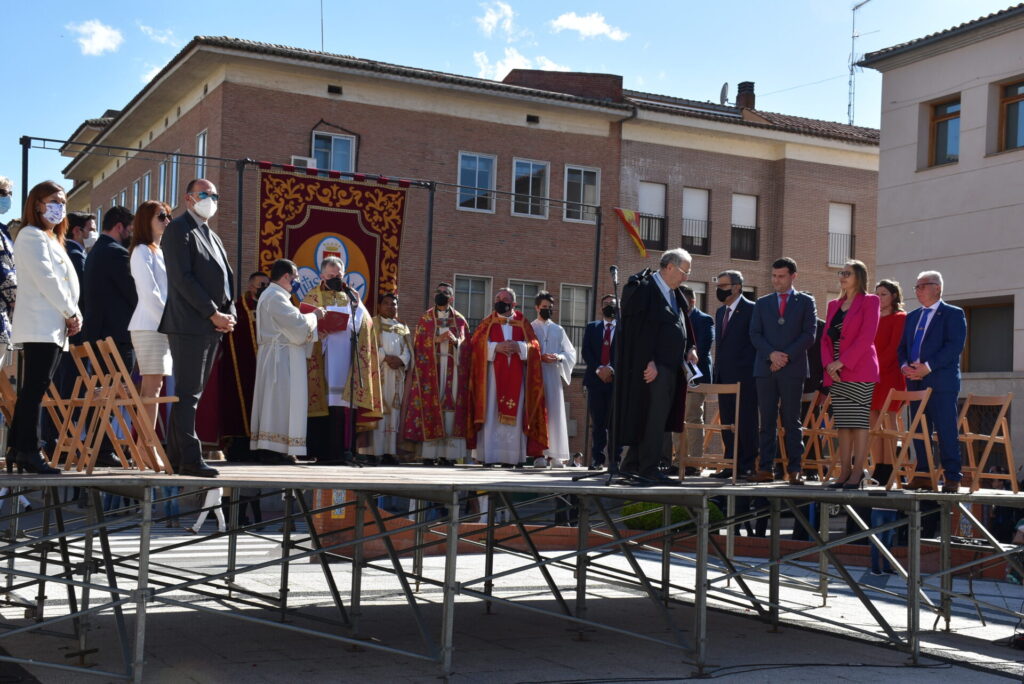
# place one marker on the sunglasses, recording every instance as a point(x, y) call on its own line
point(6, 193)
point(207, 195)
point(164, 216)
point(845, 274)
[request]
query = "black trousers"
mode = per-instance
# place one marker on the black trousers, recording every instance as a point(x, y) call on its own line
point(644, 458)
point(599, 403)
point(39, 363)
point(777, 396)
point(192, 356)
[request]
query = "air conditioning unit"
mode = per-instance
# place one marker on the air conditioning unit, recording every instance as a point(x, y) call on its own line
point(303, 162)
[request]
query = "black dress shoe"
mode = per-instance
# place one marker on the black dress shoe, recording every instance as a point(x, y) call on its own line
point(198, 470)
point(275, 458)
point(33, 462)
point(389, 460)
point(723, 474)
point(107, 460)
point(595, 467)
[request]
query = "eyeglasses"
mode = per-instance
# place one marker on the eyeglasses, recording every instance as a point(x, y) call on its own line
point(6, 193)
point(163, 216)
point(844, 274)
point(207, 195)
point(921, 286)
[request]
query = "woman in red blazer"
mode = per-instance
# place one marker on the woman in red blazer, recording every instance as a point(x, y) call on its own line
point(851, 369)
point(887, 341)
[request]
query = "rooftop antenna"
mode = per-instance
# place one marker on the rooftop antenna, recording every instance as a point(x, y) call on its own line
point(723, 96)
point(853, 58)
point(322, 25)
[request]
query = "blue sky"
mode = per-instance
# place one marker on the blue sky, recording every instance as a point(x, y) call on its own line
point(75, 60)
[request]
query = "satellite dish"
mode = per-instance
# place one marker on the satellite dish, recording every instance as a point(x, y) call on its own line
point(723, 96)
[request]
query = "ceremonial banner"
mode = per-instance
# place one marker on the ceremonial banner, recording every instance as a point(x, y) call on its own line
point(631, 220)
point(306, 217)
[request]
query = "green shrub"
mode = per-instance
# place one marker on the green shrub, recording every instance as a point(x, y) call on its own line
point(652, 520)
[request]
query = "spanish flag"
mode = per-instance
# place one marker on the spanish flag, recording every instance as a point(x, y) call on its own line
point(631, 220)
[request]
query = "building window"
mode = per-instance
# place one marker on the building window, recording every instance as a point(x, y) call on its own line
point(525, 291)
point(652, 214)
point(700, 293)
point(124, 198)
point(99, 216)
point(989, 347)
point(945, 132)
point(172, 188)
point(1011, 121)
point(334, 152)
point(530, 184)
point(582, 193)
point(136, 197)
point(476, 178)
point(574, 307)
point(840, 233)
point(696, 226)
point(201, 159)
point(473, 298)
point(161, 182)
point(147, 182)
point(745, 233)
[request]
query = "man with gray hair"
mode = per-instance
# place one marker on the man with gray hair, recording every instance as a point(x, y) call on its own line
point(734, 362)
point(929, 354)
point(656, 340)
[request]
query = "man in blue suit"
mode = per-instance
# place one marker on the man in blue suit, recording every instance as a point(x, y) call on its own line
point(929, 354)
point(782, 328)
point(734, 362)
point(599, 355)
point(692, 443)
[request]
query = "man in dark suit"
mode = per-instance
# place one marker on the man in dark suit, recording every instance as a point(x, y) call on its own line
point(734, 362)
point(656, 339)
point(200, 309)
point(599, 377)
point(692, 443)
point(781, 329)
point(929, 354)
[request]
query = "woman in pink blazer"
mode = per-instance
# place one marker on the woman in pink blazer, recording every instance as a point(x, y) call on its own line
point(851, 369)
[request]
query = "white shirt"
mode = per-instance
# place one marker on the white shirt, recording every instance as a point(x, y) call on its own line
point(931, 316)
point(150, 276)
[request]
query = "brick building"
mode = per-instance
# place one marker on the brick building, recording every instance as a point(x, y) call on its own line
point(735, 185)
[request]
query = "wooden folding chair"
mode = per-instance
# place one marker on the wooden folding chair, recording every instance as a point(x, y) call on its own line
point(782, 454)
point(904, 432)
point(820, 454)
point(144, 445)
point(1000, 434)
point(8, 397)
point(80, 431)
point(716, 426)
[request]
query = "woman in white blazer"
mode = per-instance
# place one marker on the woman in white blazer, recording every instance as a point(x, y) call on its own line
point(150, 275)
point(45, 315)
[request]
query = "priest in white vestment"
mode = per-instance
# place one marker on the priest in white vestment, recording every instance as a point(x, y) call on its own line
point(558, 357)
point(395, 352)
point(285, 339)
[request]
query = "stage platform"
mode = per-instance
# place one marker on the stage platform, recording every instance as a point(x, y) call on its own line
point(470, 509)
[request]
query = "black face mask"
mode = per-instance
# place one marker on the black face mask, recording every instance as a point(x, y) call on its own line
point(502, 308)
point(334, 284)
point(608, 311)
point(723, 294)
point(259, 290)
point(441, 299)
point(545, 314)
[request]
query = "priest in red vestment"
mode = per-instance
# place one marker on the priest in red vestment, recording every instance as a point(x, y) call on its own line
point(506, 420)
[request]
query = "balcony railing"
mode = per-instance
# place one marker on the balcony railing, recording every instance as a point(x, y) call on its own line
point(697, 236)
point(840, 248)
point(652, 231)
point(744, 243)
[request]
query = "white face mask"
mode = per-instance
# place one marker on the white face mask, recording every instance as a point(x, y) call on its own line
point(90, 239)
point(55, 212)
point(205, 208)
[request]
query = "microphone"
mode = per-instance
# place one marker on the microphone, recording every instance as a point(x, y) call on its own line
point(615, 274)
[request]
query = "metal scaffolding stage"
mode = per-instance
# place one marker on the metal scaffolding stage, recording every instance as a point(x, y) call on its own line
point(687, 561)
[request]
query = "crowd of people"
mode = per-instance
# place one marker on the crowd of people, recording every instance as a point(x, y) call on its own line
point(337, 386)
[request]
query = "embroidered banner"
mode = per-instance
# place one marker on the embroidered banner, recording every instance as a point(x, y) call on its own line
point(306, 218)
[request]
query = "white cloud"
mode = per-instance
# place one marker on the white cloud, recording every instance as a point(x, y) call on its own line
point(513, 59)
point(164, 37)
point(151, 73)
point(96, 37)
point(499, 18)
point(589, 26)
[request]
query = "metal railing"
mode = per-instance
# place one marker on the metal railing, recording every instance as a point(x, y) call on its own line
point(652, 231)
point(840, 248)
point(744, 243)
point(697, 236)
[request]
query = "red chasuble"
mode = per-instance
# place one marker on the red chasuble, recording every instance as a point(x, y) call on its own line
point(508, 376)
point(428, 394)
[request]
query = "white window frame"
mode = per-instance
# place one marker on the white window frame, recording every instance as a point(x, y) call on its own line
point(588, 309)
point(583, 205)
point(161, 180)
point(136, 194)
point(124, 197)
point(99, 216)
point(172, 188)
point(147, 186)
point(201, 140)
point(494, 182)
point(700, 293)
point(526, 307)
point(547, 188)
point(352, 149)
point(489, 290)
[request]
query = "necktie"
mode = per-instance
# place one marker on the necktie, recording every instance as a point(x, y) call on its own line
point(915, 348)
point(725, 320)
point(606, 345)
point(782, 303)
point(673, 302)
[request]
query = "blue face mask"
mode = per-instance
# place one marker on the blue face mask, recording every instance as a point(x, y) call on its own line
point(296, 286)
point(5, 204)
